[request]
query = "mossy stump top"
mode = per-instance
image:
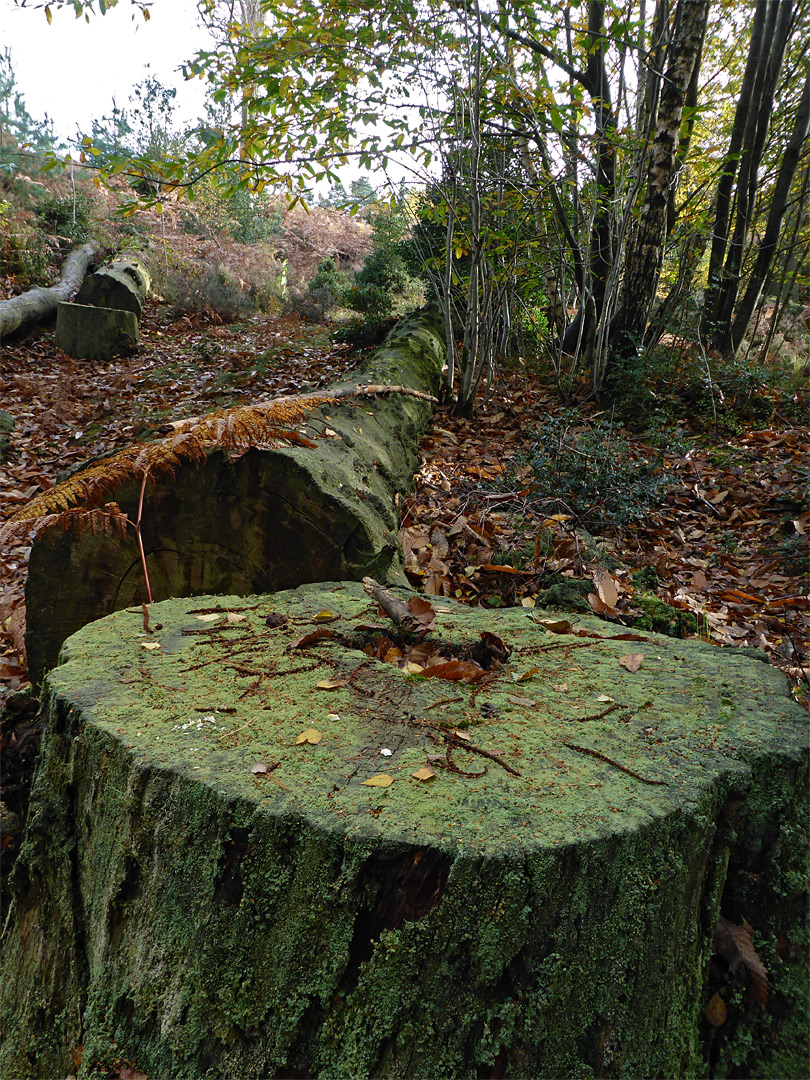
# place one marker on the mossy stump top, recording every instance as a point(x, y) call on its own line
point(542, 906)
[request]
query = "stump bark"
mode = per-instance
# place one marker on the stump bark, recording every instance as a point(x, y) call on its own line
point(123, 285)
point(265, 520)
point(21, 313)
point(95, 333)
point(209, 887)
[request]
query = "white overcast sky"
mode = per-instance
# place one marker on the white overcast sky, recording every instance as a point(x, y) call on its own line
point(72, 70)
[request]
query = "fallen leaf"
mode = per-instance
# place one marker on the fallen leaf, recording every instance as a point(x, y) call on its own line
point(234, 617)
point(315, 635)
point(423, 611)
point(520, 700)
point(554, 626)
point(150, 645)
point(495, 644)
point(309, 736)
point(736, 945)
point(425, 773)
point(330, 684)
point(699, 580)
point(325, 616)
point(561, 688)
point(527, 602)
point(524, 675)
point(596, 604)
point(213, 616)
point(380, 780)
point(716, 1011)
point(632, 661)
point(413, 669)
point(455, 671)
point(465, 735)
point(259, 768)
point(606, 587)
point(386, 752)
point(604, 698)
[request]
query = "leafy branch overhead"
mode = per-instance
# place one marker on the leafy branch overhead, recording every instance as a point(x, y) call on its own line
point(76, 501)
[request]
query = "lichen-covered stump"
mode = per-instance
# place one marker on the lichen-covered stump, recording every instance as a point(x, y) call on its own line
point(95, 333)
point(124, 284)
point(209, 887)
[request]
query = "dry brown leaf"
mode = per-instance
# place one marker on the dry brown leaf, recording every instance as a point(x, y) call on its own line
point(425, 773)
point(699, 580)
point(315, 635)
point(524, 675)
point(736, 945)
point(380, 780)
point(520, 700)
point(330, 684)
point(632, 661)
point(423, 611)
point(311, 735)
point(606, 587)
point(596, 604)
point(555, 626)
point(455, 671)
point(258, 768)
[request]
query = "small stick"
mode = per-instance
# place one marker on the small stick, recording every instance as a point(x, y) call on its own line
point(396, 611)
point(615, 764)
point(235, 731)
point(595, 716)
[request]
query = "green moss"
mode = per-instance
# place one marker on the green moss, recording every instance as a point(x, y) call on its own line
point(179, 911)
point(662, 618)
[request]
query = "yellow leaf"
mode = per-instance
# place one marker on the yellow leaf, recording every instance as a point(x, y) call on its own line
point(380, 780)
point(212, 616)
point(462, 734)
point(413, 669)
point(325, 616)
point(309, 736)
point(330, 684)
point(604, 698)
point(48, 15)
point(527, 602)
point(716, 1011)
point(150, 645)
point(524, 675)
point(425, 773)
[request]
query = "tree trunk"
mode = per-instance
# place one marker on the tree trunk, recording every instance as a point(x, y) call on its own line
point(20, 313)
point(643, 262)
point(209, 885)
point(779, 202)
point(256, 521)
point(123, 285)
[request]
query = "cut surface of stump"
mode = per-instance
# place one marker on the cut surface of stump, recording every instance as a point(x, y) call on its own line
point(260, 847)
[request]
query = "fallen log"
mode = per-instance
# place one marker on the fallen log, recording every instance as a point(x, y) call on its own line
point(255, 520)
point(38, 305)
point(123, 285)
point(255, 849)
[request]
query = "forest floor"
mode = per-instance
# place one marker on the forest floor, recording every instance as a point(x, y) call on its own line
point(728, 545)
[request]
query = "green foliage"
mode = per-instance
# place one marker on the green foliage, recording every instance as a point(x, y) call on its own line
point(65, 216)
point(384, 284)
point(593, 474)
point(329, 287)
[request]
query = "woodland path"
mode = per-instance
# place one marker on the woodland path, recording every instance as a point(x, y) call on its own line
point(461, 537)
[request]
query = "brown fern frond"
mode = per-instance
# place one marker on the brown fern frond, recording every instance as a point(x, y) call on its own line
point(108, 519)
point(238, 428)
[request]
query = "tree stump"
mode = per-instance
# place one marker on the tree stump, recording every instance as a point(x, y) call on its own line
point(95, 333)
point(259, 521)
point(124, 285)
point(219, 880)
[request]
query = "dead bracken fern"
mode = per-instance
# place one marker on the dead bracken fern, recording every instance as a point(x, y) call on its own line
point(77, 502)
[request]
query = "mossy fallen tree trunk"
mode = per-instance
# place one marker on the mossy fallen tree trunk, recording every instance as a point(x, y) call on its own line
point(257, 521)
point(123, 285)
point(38, 305)
point(209, 886)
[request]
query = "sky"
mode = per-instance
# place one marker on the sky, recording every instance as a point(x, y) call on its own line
point(72, 70)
